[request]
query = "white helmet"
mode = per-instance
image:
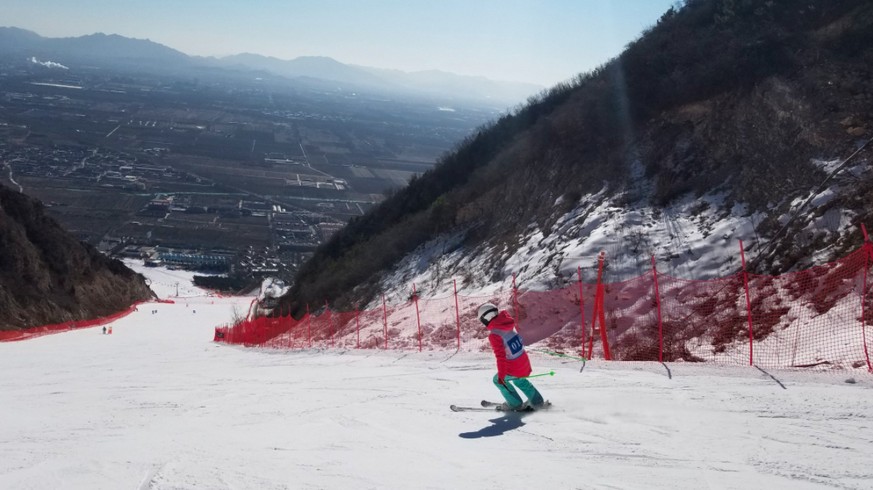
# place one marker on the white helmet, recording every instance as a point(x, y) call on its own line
point(486, 313)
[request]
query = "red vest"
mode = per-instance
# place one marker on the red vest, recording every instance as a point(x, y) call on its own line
point(508, 347)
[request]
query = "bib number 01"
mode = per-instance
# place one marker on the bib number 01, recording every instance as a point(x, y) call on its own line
point(515, 344)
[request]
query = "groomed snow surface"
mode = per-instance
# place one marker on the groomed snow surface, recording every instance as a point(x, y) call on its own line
point(158, 405)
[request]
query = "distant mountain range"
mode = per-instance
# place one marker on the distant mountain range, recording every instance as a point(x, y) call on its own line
point(92, 49)
point(114, 51)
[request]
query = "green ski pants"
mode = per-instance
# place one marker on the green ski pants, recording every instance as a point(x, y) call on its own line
point(513, 399)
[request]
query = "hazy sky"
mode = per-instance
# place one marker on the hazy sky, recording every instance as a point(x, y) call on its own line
point(538, 41)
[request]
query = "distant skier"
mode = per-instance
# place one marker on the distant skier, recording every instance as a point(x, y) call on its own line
point(512, 361)
point(104, 330)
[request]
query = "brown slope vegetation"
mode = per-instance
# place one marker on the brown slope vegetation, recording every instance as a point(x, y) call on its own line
point(47, 276)
point(731, 95)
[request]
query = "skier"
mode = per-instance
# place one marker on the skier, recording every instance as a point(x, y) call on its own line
point(104, 330)
point(512, 361)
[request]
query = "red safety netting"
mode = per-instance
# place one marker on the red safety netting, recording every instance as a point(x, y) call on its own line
point(558, 318)
point(29, 333)
point(700, 320)
point(816, 317)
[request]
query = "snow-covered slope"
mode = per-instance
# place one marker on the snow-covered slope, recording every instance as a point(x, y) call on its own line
point(157, 405)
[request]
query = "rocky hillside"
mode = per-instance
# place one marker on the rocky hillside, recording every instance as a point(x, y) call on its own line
point(728, 120)
point(47, 276)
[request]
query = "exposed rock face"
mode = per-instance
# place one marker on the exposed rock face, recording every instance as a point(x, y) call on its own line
point(47, 276)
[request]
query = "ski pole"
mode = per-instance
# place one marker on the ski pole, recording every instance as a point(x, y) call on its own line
point(550, 373)
point(558, 354)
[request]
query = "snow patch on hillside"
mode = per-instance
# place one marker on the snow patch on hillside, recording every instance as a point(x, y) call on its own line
point(693, 238)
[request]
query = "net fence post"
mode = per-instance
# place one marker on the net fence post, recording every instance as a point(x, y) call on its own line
point(417, 315)
point(457, 312)
point(289, 324)
point(658, 304)
point(748, 303)
point(599, 308)
point(329, 324)
point(308, 326)
point(581, 309)
point(385, 321)
point(868, 247)
point(516, 312)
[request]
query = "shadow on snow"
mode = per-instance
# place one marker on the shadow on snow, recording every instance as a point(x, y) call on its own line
point(498, 427)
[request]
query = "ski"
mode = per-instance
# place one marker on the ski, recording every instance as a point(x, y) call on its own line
point(524, 408)
point(456, 408)
point(497, 407)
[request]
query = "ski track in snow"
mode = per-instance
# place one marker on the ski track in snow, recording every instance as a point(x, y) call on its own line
point(158, 406)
